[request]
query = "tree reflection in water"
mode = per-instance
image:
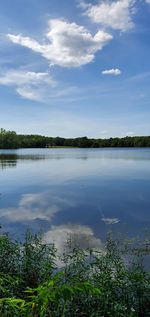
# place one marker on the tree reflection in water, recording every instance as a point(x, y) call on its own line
point(7, 161)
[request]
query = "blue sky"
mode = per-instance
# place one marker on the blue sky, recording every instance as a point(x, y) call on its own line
point(75, 68)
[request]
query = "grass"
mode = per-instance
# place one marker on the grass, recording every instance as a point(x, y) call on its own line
point(91, 283)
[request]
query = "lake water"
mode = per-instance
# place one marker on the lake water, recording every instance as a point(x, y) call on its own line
point(75, 192)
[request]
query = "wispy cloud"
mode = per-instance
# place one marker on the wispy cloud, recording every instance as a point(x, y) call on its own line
point(29, 93)
point(27, 84)
point(140, 76)
point(114, 14)
point(37, 86)
point(21, 77)
point(113, 71)
point(35, 206)
point(68, 44)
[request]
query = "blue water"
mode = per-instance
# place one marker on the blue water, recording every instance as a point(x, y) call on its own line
point(80, 193)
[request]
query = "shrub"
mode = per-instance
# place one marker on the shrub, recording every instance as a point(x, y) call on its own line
point(112, 283)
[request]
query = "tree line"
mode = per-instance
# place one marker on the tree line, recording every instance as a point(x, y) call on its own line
point(12, 140)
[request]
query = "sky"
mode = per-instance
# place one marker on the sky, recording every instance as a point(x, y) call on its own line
point(75, 68)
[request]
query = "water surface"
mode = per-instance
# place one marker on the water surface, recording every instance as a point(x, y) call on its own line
point(80, 192)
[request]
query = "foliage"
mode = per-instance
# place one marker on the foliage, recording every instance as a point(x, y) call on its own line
point(112, 282)
point(11, 140)
point(8, 139)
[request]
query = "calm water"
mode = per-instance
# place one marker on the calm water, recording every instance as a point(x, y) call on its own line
point(80, 192)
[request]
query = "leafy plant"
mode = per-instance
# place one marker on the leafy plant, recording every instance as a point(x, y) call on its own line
point(94, 283)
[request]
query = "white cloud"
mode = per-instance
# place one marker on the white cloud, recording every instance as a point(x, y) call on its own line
point(35, 206)
point(30, 207)
point(29, 93)
point(20, 77)
point(82, 236)
point(29, 85)
point(114, 14)
point(113, 71)
point(37, 86)
point(68, 44)
point(147, 1)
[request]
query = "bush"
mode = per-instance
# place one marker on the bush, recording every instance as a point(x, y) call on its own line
point(89, 282)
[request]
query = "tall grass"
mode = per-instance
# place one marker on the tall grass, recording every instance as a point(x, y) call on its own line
point(89, 282)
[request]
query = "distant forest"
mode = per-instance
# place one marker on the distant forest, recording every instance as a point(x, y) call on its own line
point(12, 140)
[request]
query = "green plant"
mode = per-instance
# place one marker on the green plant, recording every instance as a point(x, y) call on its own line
point(92, 283)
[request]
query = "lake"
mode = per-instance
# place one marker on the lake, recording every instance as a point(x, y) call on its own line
point(79, 193)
